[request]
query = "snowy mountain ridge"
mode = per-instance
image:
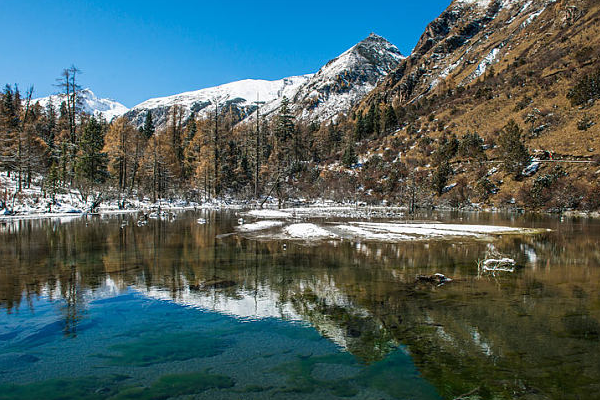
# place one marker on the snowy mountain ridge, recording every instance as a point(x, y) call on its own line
point(239, 94)
point(339, 85)
point(345, 80)
point(89, 102)
point(334, 89)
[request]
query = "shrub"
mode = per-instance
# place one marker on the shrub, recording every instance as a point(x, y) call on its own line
point(586, 90)
point(585, 123)
point(471, 145)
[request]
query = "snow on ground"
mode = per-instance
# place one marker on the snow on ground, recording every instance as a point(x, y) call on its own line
point(377, 231)
point(32, 202)
point(268, 213)
point(487, 61)
point(259, 226)
point(410, 231)
point(363, 233)
point(307, 231)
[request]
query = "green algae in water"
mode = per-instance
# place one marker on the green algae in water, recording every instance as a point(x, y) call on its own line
point(95, 388)
point(166, 348)
point(395, 376)
point(177, 385)
point(62, 389)
point(302, 379)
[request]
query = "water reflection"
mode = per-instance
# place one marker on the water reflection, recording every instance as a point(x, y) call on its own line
point(531, 334)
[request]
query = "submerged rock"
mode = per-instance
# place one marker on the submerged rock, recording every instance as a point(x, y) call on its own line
point(437, 279)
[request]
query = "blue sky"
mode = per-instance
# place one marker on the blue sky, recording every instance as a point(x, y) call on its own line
point(134, 50)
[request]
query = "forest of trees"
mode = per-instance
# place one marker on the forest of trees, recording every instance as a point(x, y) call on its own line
point(190, 157)
point(215, 156)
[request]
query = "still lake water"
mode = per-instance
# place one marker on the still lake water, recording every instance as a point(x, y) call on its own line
point(102, 308)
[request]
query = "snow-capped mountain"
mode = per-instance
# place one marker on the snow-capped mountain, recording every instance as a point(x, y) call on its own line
point(334, 89)
point(240, 95)
point(343, 81)
point(89, 103)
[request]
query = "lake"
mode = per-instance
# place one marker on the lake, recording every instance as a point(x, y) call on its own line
point(105, 307)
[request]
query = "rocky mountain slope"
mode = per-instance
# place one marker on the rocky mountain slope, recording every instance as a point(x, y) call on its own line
point(469, 37)
point(90, 104)
point(483, 63)
point(334, 89)
point(343, 81)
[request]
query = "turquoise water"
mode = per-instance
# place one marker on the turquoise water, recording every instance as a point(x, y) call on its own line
point(125, 345)
point(104, 308)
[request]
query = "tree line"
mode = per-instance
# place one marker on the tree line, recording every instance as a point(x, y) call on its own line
point(214, 156)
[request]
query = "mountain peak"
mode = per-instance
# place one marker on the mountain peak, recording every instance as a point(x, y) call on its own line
point(90, 103)
point(374, 37)
point(334, 89)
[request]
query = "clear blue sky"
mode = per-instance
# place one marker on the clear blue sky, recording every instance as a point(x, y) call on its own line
point(134, 50)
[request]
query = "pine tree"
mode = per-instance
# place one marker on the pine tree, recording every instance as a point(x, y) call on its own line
point(471, 146)
point(360, 128)
point(9, 130)
point(91, 160)
point(513, 151)
point(441, 176)
point(72, 108)
point(176, 132)
point(285, 134)
point(349, 157)
point(390, 121)
point(148, 128)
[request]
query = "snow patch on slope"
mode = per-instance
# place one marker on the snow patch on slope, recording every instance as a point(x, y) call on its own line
point(246, 91)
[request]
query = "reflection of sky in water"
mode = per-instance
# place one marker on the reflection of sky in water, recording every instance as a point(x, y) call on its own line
point(124, 305)
point(129, 334)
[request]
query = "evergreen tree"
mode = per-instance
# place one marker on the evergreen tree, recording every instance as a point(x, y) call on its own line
point(92, 161)
point(390, 121)
point(72, 108)
point(48, 131)
point(440, 178)
point(176, 128)
point(148, 129)
point(349, 157)
point(512, 148)
point(334, 136)
point(360, 128)
point(9, 130)
point(284, 134)
point(471, 146)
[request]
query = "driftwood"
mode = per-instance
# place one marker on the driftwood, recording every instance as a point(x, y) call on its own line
point(96, 203)
point(494, 265)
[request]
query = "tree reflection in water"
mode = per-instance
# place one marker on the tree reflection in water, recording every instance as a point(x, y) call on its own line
point(533, 332)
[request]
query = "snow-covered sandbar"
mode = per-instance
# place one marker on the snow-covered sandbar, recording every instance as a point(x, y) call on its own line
point(381, 231)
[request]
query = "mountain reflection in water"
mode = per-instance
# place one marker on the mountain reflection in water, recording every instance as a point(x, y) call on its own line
point(533, 333)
